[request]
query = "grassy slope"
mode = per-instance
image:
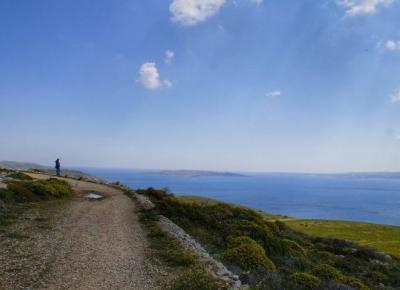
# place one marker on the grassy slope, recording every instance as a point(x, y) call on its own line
point(209, 201)
point(197, 199)
point(380, 237)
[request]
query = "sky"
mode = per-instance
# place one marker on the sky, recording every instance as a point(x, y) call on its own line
point(240, 85)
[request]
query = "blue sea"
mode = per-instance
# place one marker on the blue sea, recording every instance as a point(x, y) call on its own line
point(340, 197)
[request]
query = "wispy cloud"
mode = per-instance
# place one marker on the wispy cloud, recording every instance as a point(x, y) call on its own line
point(149, 76)
point(192, 12)
point(364, 7)
point(169, 56)
point(392, 45)
point(395, 97)
point(167, 83)
point(257, 2)
point(273, 94)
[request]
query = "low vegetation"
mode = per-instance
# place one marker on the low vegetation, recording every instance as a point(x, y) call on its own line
point(271, 255)
point(191, 275)
point(19, 175)
point(303, 280)
point(21, 191)
point(380, 237)
point(197, 278)
point(247, 254)
point(29, 191)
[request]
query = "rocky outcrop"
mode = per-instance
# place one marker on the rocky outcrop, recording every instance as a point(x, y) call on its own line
point(144, 202)
point(215, 268)
point(2, 179)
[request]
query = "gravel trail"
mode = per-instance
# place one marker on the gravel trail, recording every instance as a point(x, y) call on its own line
point(94, 245)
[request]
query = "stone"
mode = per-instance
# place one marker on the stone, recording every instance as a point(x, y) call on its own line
point(215, 268)
point(94, 196)
point(3, 185)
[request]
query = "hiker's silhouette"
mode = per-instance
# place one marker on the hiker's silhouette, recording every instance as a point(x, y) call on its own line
point(58, 167)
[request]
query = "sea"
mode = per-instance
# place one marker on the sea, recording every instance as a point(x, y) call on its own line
point(353, 197)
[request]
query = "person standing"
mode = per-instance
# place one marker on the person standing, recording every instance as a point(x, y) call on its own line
point(58, 167)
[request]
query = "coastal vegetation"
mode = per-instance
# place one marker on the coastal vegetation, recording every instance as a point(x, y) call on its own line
point(380, 237)
point(269, 254)
point(191, 274)
point(22, 191)
point(29, 191)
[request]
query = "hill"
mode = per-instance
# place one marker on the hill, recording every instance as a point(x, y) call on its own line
point(26, 166)
point(267, 252)
point(382, 238)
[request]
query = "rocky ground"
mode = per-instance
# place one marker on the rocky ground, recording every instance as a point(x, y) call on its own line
point(2, 177)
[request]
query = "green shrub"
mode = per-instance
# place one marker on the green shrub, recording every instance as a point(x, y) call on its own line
point(6, 196)
point(378, 277)
point(281, 226)
point(326, 272)
point(355, 283)
point(292, 248)
point(166, 248)
point(52, 187)
point(302, 263)
point(303, 281)
point(28, 191)
point(321, 246)
point(173, 254)
point(154, 194)
point(22, 191)
point(247, 254)
point(20, 176)
point(326, 255)
point(273, 227)
point(197, 279)
point(323, 257)
point(258, 232)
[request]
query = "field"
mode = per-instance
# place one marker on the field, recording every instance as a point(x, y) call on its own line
point(380, 237)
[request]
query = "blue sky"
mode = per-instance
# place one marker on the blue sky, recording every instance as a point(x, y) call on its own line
point(249, 85)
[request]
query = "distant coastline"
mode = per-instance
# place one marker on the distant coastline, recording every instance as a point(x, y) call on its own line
point(195, 173)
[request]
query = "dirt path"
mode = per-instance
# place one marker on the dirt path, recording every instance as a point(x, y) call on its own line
point(96, 244)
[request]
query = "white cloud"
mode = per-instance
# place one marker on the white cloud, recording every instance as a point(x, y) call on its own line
point(392, 45)
point(169, 56)
point(167, 83)
point(363, 7)
point(395, 97)
point(273, 94)
point(257, 2)
point(192, 12)
point(149, 77)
